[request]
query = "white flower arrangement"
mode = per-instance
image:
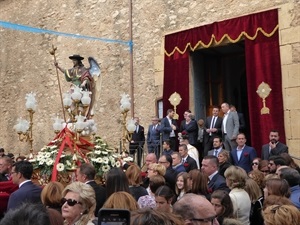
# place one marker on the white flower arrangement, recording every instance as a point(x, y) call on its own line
point(102, 157)
point(46, 157)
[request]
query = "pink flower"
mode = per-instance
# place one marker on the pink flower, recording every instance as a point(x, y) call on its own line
point(246, 154)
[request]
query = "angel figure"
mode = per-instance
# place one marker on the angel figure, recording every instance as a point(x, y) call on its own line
point(82, 77)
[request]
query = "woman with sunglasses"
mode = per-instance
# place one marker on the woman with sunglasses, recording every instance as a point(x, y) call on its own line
point(255, 163)
point(78, 204)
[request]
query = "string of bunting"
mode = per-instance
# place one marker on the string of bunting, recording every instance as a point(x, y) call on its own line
point(14, 26)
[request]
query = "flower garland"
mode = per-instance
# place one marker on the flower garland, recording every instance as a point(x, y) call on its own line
point(102, 157)
point(45, 159)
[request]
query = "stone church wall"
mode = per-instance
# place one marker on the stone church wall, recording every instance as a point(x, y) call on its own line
point(26, 65)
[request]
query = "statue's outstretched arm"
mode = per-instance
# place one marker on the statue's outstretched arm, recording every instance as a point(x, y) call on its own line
point(58, 67)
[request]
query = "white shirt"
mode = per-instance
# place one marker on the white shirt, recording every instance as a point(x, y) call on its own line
point(239, 152)
point(24, 182)
point(225, 121)
point(193, 152)
point(172, 134)
point(210, 177)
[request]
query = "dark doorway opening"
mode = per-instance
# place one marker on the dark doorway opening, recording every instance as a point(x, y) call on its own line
point(219, 75)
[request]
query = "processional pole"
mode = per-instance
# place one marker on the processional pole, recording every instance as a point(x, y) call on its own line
point(52, 52)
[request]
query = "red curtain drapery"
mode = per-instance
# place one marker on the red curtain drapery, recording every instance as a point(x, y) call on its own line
point(260, 32)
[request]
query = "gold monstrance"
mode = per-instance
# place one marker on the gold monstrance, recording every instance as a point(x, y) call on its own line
point(263, 91)
point(175, 99)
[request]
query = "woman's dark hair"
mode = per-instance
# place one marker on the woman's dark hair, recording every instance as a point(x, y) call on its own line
point(166, 192)
point(155, 182)
point(225, 201)
point(277, 186)
point(116, 180)
point(199, 180)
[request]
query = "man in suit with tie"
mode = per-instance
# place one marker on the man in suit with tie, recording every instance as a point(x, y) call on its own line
point(230, 127)
point(169, 128)
point(138, 140)
point(274, 147)
point(188, 162)
point(210, 167)
point(243, 155)
point(28, 192)
point(5, 168)
point(218, 147)
point(86, 174)
point(213, 125)
point(153, 137)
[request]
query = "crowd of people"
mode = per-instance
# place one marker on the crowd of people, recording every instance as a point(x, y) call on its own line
point(225, 183)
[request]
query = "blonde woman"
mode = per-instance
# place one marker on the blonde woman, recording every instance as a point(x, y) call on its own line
point(236, 180)
point(78, 204)
point(153, 170)
point(133, 174)
point(257, 200)
point(223, 158)
point(281, 215)
point(156, 169)
point(121, 200)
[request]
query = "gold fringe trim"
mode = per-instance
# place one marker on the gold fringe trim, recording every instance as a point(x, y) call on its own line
point(213, 40)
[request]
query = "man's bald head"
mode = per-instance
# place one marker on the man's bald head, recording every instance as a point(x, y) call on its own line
point(150, 158)
point(194, 208)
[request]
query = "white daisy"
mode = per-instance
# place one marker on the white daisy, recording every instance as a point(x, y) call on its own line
point(105, 168)
point(49, 162)
point(60, 167)
point(118, 164)
point(99, 160)
point(105, 160)
point(97, 152)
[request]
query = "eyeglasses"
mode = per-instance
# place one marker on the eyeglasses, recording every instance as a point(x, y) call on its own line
point(70, 202)
point(255, 163)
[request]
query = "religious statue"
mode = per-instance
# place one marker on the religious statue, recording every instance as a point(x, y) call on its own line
point(82, 77)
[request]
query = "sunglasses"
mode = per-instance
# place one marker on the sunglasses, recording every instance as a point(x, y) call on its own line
point(70, 202)
point(255, 163)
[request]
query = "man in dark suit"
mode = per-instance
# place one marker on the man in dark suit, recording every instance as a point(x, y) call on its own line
point(153, 137)
point(138, 140)
point(28, 192)
point(230, 127)
point(243, 155)
point(86, 174)
point(188, 162)
point(212, 128)
point(171, 174)
point(5, 168)
point(274, 147)
point(169, 128)
point(210, 166)
point(218, 147)
point(190, 127)
point(185, 114)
